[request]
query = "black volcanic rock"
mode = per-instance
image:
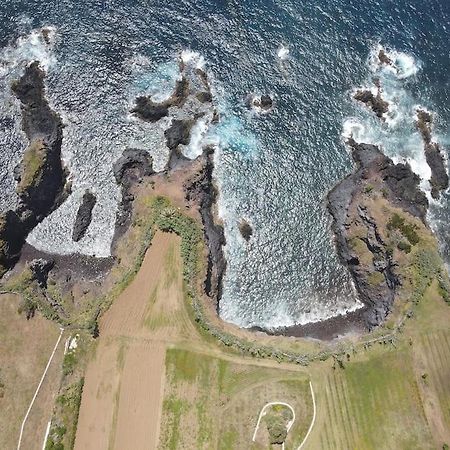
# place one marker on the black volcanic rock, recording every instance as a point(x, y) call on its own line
point(265, 102)
point(375, 103)
point(246, 230)
point(84, 216)
point(40, 269)
point(41, 176)
point(150, 111)
point(179, 132)
point(435, 160)
point(384, 58)
point(133, 165)
point(201, 191)
point(130, 168)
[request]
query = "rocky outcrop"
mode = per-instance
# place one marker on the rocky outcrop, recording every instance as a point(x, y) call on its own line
point(246, 230)
point(201, 191)
point(41, 176)
point(384, 58)
point(439, 177)
point(150, 111)
point(130, 168)
point(373, 102)
point(263, 103)
point(84, 216)
point(40, 269)
point(360, 228)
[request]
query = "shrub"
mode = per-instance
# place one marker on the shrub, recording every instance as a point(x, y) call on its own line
point(277, 429)
point(407, 229)
point(403, 245)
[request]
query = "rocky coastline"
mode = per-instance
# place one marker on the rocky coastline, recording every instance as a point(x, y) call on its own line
point(41, 176)
point(373, 212)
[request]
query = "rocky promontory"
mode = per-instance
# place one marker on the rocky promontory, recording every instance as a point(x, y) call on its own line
point(41, 175)
point(378, 221)
point(200, 191)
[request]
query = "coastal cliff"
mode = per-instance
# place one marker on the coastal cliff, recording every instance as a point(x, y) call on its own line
point(200, 190)
point(380, 228)
point(41, 176)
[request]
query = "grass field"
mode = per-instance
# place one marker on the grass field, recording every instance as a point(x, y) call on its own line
point(25, 346)
point(211, 402)
point(372, 404)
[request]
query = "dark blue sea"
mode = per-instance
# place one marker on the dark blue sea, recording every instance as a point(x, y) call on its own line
point(273, 170)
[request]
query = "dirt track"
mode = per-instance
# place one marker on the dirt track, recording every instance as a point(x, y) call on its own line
point(122, 396)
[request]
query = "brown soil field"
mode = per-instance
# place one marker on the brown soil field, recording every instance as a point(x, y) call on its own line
point(122, 395)
point(25, 346)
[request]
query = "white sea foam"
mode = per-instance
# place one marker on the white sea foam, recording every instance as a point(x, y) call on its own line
point(29, 48)
point(190, 57)
point(198, 134)
point(283, 52)
point(353, 128)
point(403, 64)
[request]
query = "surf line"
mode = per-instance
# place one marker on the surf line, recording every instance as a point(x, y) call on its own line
point(38, 388)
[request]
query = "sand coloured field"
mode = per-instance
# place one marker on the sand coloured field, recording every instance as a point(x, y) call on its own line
point(122, 395)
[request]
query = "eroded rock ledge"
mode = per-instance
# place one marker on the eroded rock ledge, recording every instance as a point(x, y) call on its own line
point(41, 176)
point(378, 217)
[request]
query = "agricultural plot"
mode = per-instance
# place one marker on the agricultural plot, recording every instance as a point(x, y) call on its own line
point(372, 404)
point(211, 402)
point(433, 375)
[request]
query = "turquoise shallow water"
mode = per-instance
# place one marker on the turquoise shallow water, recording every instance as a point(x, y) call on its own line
point(273, 170)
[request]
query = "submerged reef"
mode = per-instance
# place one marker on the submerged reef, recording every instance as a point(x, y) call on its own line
point(41, 176)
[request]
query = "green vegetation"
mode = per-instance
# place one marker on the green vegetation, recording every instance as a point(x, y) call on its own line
point(62, 433)
point(375, 278)
point(32, 165)
point(276, 426)
point(396, 222)
point(404, 246)
point(211, 402)
point(358, 410)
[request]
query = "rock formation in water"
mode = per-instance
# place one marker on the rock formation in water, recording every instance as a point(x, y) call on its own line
point(384, 58)
point(84, 216)
point(150, 111)
point(377, 212)
point(263, 103)
point(194, 91)
point(374, 102)
point(245, 229)
point(41, 176)
point(439, 178)
point(200, 190)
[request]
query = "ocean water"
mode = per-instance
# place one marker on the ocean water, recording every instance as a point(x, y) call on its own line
point(273, 170)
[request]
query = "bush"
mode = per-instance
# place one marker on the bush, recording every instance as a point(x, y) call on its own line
point(277, 429)
point(407, 229)
point(403, 245)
